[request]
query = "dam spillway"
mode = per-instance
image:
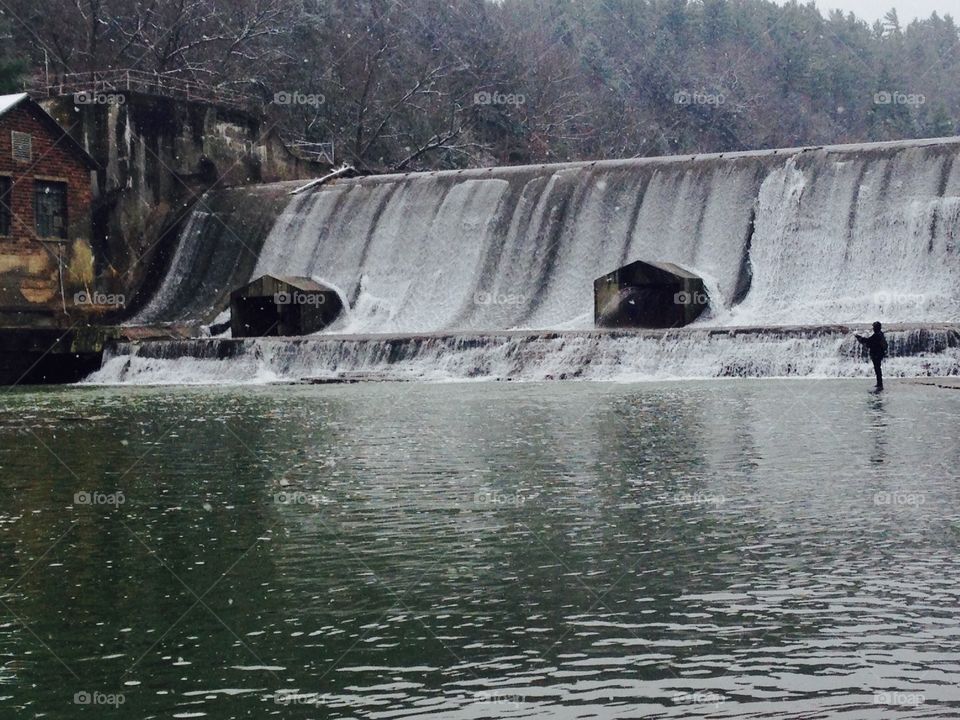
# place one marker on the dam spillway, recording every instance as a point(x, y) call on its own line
point(796, 237)
point(602, 355)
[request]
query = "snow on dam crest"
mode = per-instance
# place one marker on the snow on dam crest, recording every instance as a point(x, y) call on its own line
point(841, 234)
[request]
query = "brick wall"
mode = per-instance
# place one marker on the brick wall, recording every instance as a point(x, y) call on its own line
point(53, 158)
point(29, 275)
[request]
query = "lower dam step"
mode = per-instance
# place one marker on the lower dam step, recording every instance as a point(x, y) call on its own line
point(693, 352)
point(348, 378)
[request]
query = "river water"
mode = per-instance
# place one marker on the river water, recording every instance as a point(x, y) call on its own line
point(743, 548)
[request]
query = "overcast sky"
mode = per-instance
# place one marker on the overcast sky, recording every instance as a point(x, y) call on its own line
point(907, 10)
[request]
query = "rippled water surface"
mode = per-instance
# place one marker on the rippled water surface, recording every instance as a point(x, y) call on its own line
point(742, 548)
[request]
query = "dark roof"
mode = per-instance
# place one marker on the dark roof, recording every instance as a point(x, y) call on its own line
point(296, 282)
point(666, 267)
point(301, 283)
point(9, 102)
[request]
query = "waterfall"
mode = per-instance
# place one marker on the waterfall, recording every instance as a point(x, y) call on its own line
point(832, 235)
point(216, 252)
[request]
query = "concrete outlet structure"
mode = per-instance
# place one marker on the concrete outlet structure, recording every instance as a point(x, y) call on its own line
point(282, 306)
point(647, 294)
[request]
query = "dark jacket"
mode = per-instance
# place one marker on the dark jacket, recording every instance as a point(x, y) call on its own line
point(876, 344)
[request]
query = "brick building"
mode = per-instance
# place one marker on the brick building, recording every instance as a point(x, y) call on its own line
point(46, 253)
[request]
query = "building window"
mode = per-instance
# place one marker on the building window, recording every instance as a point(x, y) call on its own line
point(6, 200)
point(50, 202)
point(22, 144)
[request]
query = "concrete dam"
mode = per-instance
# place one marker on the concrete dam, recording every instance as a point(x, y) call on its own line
point(488, 272)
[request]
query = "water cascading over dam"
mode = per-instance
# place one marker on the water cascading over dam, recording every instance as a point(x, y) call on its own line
point(819, 236)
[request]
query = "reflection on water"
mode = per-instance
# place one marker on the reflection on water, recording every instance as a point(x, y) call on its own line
point(878, 427)
point(744, 548)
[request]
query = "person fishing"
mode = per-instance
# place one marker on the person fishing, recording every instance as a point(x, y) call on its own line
point(876, 345)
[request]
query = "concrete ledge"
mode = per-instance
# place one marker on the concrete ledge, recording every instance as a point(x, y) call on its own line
point(133, 333)
point(947, 383)
point(816, 351)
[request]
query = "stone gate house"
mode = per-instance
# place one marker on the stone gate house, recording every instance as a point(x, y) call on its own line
point(46, 256)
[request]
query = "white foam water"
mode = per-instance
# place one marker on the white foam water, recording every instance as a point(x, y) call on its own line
point(815, 352)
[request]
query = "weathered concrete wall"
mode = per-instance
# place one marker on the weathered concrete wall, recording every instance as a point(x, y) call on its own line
point(159, 155)
point(35, 355)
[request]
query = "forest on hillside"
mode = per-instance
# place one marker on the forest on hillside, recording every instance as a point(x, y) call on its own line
point(416, 84)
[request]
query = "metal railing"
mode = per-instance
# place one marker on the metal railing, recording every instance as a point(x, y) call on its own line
point(316, 151)
point(115, 81)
